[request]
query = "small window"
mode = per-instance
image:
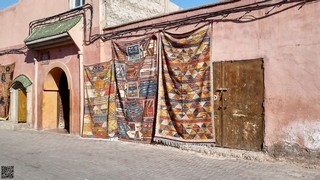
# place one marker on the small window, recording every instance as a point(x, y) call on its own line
point(76, 3)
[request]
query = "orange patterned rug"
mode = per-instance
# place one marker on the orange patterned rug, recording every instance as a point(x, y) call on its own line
point(185, 109)
point(100, 101)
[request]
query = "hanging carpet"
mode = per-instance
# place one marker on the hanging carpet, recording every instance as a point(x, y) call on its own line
point(100, 101)
point(136, 77)
point(185, 109)
point(6, 80)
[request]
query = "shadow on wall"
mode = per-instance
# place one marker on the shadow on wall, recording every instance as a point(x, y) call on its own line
point(29, 57)
point(50, 54)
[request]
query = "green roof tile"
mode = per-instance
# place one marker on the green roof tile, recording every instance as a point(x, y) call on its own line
point(53, 29)
point(23, 80)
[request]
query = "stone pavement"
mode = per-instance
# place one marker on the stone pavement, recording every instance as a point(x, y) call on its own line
point(46, 155)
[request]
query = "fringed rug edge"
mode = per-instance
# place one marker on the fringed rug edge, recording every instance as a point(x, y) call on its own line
point(180, 144)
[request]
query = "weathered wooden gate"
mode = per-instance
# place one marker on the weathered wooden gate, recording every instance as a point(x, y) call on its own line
point(239, 111)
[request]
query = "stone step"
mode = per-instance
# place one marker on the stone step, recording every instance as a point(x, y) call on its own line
point(13, 126)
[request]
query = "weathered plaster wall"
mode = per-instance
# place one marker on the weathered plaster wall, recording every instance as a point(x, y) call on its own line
point(292, 98)
point(289, 43)
point(116, 11)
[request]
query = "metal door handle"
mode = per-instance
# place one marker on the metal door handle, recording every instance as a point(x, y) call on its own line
point(222, 89)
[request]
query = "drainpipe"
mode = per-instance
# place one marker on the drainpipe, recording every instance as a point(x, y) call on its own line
point(80, 54)
point(36, 125)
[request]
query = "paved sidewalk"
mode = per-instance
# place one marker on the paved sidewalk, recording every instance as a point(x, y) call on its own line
point(44, 155)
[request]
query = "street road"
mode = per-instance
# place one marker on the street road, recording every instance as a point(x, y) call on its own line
point(46, 155)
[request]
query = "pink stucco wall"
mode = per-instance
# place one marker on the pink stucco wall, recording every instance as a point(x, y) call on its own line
point(16, 19)
point(15, 28)
point(289, 43)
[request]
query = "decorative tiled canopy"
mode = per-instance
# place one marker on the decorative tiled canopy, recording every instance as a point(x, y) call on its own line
point(52, 29)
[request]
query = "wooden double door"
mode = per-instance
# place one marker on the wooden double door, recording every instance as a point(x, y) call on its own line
point(238, 104)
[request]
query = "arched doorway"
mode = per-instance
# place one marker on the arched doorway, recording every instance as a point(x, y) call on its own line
point(56, 101)
point(20, 98)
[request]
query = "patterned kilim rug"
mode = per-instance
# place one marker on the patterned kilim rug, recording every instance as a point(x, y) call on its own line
point(185, 105)
point(136, 77)
point(6, 80)
point(100, 101)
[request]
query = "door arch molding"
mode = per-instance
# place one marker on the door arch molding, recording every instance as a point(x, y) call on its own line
point(52, 92)
point(21, 83)
point(61, 66)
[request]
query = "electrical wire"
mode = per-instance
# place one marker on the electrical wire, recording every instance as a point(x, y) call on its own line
point(157, 27)
point(204, 17)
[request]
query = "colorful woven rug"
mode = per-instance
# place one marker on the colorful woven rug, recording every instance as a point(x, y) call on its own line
point(136, 77)
point(100, 101)
point(6, 80)
point(185, 105)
